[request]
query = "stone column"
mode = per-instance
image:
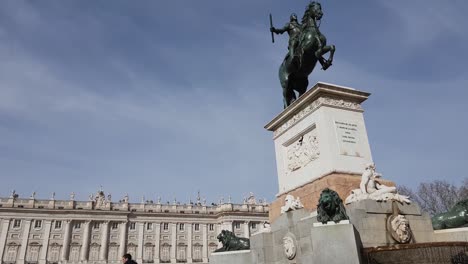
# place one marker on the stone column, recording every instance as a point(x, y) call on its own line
point(205, 242)
point(66, 241)
point(5, 224)
point(189, 242)
point(24, 241)
point(45, 242)
point(173, 242)
point(123, 239)
point(104, 241)
point(246, 229)
point(157, 237)
point(85, 243)
point(219, 228)
point(139, 255)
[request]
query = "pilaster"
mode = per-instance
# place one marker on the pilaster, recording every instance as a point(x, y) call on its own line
point(24, 241)
point(5, 224)
point(45, 242)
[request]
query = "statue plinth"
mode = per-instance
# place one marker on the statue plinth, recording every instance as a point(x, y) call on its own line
point(320, 141)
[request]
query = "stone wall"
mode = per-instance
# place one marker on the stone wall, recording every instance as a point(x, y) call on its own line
point(310, 192)
point(370, 220)
point(452, 234)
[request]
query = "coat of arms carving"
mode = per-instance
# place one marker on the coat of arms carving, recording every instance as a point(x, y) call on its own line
point(301, 152)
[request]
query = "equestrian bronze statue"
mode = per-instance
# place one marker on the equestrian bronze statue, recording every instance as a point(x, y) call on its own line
point(306, 46)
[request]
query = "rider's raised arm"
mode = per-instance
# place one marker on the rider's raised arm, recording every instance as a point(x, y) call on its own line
point(282, 30)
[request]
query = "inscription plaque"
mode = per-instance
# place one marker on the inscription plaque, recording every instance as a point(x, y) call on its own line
point(348, 136)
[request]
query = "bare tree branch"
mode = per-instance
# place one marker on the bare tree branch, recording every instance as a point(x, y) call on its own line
point(437, 196)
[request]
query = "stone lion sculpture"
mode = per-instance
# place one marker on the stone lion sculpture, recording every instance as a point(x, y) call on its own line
point(291, 204)
point(455, 217)
point(330, 207)
point(400, 229)
point(231, 242)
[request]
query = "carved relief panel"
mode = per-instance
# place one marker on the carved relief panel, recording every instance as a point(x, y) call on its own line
point(301, 151)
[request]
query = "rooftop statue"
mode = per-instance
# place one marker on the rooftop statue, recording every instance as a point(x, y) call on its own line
point(307, 45)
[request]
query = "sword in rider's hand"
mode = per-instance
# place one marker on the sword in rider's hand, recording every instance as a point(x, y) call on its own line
point(271, 25)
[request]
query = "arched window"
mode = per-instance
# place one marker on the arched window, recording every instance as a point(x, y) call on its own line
point(197, 253)
point(181, 252)
point(113, 252)
point(165, 252)
point(148, 252)
point(32, 254)
point(74, 253)
point(11, 253)
point(131, 249)
point(54, 253)
point(94, 252)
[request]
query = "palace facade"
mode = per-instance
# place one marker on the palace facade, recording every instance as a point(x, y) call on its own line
point(101, 231)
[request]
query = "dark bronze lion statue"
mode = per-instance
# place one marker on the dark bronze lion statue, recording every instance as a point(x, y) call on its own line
point(330, 207)
point(455, 217)
point(231, 242)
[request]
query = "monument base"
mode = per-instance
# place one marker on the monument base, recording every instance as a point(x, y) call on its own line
point(309, 193)
point(370, 217)
point(296, 237)
point(231, 257)
point(337, 243)
point(452, 234)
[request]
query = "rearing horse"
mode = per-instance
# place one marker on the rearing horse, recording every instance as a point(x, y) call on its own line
point(312, 46)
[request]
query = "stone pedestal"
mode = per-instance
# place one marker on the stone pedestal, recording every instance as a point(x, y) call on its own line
point(370, 220)
point(261, 246)
point(296, 237)
point(232, 257)
point(335, 243)
point(452, 234)
point(320, 141)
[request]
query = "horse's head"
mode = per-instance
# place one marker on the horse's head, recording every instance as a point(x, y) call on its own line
point(315, 10)
point(313, 13)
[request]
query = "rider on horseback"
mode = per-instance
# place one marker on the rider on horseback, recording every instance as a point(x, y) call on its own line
point(294, 31)
point(307, 45)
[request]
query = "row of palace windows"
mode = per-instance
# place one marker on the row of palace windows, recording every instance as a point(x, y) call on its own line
point(196, 227)
point(32, 253)
point(237, 225)
point(114, 226)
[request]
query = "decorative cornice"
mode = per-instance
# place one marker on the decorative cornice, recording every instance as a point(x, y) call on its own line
point(322, 101)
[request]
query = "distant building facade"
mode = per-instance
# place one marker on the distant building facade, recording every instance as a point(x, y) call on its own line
point(101, 231)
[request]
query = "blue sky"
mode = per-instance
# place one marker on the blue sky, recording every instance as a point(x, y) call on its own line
point(165, 98)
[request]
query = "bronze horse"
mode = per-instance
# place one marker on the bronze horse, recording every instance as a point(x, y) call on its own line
point(312, 46)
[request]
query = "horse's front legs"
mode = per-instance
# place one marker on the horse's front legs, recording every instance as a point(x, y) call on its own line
point(326, 63)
